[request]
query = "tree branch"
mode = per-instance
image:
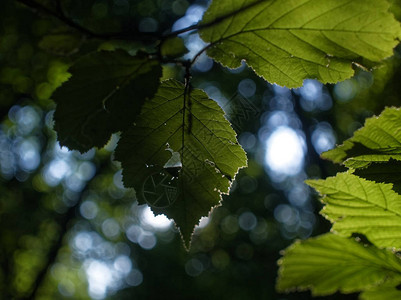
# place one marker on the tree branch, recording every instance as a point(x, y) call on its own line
point(137, 36)
point(200, 25)
point(59, 15)
point(200, 53)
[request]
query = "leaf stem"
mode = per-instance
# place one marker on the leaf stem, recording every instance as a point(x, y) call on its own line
point(200, 53)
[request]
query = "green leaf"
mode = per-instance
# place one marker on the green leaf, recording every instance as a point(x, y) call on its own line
point(105, 93)
point(287, 41)
point(378, 141)
point(61, 43)
point(201, 161)
point(384, 292)
point(355, 205)
point(173, 47)
point(331, 263)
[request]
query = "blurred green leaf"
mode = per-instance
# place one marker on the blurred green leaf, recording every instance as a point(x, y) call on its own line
point(331, 263)
point(61, 43)
point(105, 93)
point(288, 41)
point(354, 204)
point(173, 47)
point(203, 155)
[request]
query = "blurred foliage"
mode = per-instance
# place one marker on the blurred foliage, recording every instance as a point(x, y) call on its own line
point(68, 228)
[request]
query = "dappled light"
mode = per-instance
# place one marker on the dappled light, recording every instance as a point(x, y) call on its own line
point(314, 96)
point(247, 97)
point(159, 222)
point(323, 138)
point(285, 151)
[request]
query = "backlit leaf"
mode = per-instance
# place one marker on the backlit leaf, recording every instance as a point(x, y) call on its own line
point(386, 172)
point(180, 155)
point(381, 293)
point(378, 141)
point(104, 94)
point(356, 205)
point(287, 41)
point(331, 263)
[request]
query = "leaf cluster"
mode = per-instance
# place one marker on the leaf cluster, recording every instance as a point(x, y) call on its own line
point(117, 91)
point(179, 152)
point(364, 206)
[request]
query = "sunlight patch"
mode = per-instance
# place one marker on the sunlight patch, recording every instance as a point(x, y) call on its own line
point(285, 151)
point(159, 222)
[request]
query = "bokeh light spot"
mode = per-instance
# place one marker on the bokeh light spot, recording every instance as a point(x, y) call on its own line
point(285, 151)
point(159, 222)
point(247, 221)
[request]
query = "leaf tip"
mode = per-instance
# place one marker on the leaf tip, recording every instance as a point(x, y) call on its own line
point(186, 237)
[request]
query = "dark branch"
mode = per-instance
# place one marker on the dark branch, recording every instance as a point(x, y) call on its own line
point(187, 29)
point(59, 14)
point(41, 8)
point(200, 25)
point(200, 53)
point(136, 36)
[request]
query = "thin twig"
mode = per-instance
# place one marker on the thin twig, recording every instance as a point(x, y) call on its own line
point(200, 53)
point(39, 7)
point(201, 25)
point(59, 14)
point(178, 32)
